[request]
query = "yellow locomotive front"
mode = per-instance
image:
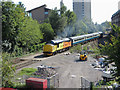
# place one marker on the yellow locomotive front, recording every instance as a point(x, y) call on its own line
point(49, 49)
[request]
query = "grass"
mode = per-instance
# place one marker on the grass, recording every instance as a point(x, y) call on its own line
point(19, 80)
point(26, 71)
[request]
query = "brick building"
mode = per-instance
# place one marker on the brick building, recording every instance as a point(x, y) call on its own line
point(116, 18)
point(39, 13)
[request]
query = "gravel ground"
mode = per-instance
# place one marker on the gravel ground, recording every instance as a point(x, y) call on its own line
point(70, 69)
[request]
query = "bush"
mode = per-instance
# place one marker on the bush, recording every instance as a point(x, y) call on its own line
point(19, 85)
point(18, 51)
point(7, 71)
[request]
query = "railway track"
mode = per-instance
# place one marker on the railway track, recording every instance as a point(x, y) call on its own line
point(25, 61)
point(29, 60)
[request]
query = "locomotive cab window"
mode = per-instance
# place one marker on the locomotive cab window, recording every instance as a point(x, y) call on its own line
point(57, 45)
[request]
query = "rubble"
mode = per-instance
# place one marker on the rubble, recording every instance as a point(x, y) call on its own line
point(67, 53)
point(78, 54)
point(45, 71)
point(103, 66)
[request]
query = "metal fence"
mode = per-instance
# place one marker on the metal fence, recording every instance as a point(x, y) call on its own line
point(85, 84)
point(52, 82)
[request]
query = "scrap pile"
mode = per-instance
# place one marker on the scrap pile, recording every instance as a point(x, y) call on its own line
point(102, 65)
point(44, 71)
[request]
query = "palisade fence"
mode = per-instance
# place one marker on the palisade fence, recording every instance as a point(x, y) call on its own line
point(85, 84)
point(52, 82)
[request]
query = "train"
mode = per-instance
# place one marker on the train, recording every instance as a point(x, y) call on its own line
point(56, 46)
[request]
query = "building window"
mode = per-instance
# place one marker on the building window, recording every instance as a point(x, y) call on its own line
point(83, 14)
point(82, 3)
point(83, 8)
point(46, 12)
point(30, 14)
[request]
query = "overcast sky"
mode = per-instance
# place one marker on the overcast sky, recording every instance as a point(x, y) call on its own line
point(101, 10)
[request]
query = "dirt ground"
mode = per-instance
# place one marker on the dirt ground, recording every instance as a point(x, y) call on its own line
point(70, 69)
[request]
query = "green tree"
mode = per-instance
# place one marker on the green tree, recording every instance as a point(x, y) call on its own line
point(112, 49)
point(12, 21)
point(30, 34)
point(81, 28)
point(63, 10)
point(57, 22)
point(19, 30)
point(71, 17)
point(106, 24)
point(103, 26)
point(48, 33)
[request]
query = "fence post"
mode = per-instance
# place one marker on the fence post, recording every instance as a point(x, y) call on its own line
point(48, 82)
point(91, 85)
point(81, 82)
point(86, 84)
point(82, 86)
point(54, 81)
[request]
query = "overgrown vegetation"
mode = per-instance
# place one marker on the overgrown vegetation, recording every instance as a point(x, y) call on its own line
point(112, 49)
point(8, 71)
point(20, 79)
point(88, 47)
point(103, 84)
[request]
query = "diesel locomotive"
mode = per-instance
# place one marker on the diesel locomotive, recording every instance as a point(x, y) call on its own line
point(56, 46)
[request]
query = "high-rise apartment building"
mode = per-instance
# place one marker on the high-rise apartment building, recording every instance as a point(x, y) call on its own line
point(82, 9)
point(119, 5)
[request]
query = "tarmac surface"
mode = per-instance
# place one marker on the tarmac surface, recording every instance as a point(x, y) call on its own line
point(70, 69)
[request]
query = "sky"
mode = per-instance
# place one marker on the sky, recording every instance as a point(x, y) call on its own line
point(101, 10)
